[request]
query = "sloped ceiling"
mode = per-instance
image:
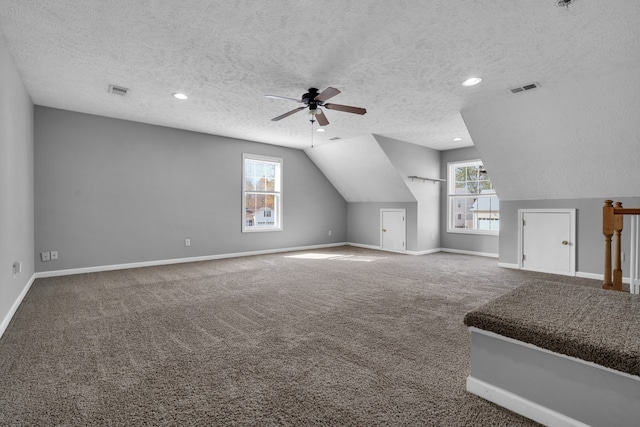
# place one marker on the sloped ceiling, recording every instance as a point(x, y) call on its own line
point(577, 138)
point(361, 171)
point(377, 169)
point(403, 61)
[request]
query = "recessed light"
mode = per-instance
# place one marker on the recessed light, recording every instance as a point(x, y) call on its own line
point(180, 96)
point(472, 81)
point(457, 139)
point(320, 130)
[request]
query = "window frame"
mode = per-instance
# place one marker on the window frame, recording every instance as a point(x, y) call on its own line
point(277, 193)
point(452, 196)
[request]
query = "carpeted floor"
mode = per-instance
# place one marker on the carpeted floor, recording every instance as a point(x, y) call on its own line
point(341, 336)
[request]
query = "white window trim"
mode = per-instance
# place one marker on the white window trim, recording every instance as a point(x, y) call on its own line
point(451, 192)
point(279, 214)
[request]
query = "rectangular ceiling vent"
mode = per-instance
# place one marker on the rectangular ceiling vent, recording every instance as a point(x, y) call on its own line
point(524, 88)
point(118, 90)
point(335, 138)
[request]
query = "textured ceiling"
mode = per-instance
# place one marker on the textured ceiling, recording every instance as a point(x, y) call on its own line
point(402, 60)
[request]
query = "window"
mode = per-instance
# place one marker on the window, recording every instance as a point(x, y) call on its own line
point(473, 204)
point(261, 193)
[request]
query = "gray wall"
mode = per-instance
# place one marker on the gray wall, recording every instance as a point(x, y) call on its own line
point(364, 223)
point(414, 160)
point(111, 192)
point(590, 241)
point(16, 184)
point(458, 241)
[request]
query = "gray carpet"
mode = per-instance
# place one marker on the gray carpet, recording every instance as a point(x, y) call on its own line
point(597, 325)
point(345, 337)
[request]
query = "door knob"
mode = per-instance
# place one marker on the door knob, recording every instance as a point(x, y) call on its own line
point(384, 229)
point(564, 242)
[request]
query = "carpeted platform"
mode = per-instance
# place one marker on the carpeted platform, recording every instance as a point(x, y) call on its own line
point(591, 324)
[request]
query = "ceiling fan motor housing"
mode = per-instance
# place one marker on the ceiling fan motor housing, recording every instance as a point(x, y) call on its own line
point(309, 99)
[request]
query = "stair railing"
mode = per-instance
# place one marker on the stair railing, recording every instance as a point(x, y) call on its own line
point(612, 223)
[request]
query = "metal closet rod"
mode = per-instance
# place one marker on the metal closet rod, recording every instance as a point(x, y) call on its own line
point(427, 179)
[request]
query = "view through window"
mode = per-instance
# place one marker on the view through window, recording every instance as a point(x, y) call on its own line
point(473, 204)
point(262, 193)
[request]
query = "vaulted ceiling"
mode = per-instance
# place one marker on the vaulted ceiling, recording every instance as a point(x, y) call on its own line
point(404, 61)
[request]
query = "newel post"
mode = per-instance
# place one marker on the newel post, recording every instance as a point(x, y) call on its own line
point(607, 230)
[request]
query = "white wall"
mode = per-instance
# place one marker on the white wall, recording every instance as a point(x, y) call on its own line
point(567, 139)
point(360, 170)
point(16, 187)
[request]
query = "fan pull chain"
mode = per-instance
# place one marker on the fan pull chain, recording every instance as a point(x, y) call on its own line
point(312, 131)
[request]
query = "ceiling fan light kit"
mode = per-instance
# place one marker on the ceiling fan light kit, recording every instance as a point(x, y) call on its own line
point(312, 100)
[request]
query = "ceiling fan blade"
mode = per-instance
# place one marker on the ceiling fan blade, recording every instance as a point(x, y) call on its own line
point(275, 119)
point(282, 97)
point(329, 92)
point(322, 119)
point(346, 108)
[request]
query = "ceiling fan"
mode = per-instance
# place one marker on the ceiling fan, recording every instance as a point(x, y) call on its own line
point(313, 100)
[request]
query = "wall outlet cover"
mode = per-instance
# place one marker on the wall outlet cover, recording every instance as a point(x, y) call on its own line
point(54, 255)
point(45, 256)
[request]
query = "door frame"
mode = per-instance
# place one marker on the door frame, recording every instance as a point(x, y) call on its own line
point(404, 212)
point(572, 235)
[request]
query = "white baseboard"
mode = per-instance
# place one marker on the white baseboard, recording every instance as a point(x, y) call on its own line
point(378, 248)
point(99, 268)
point(463, 252)
point(581, 274)
point(429, 251)
point(508, 265)
point(16, 304)
point(425, 252)
point(359, 245)
point(519, 405)
point(598, 276)
point(590, 275)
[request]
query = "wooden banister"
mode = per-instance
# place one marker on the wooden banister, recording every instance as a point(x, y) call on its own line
point(612, 223)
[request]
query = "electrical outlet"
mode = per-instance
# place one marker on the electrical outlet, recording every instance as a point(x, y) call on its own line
point(187, 242)
point(45, 256)
point(54, 255)
point(17, 267)
point(329, 232)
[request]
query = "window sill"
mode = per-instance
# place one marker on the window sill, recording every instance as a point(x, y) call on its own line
point(476, 232)
point(260, 230)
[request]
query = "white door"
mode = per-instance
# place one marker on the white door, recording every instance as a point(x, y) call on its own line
point(394, 230)
point(548, 241)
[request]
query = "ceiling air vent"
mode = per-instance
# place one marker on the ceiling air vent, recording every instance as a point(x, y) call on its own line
point(524, 88)
point(118, 90)
point(335, 138)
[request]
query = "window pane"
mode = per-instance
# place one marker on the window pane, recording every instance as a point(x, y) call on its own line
point(461, 215)
point(261, 199)
point(472, 173)
point(475, 213)
point(473, 203)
